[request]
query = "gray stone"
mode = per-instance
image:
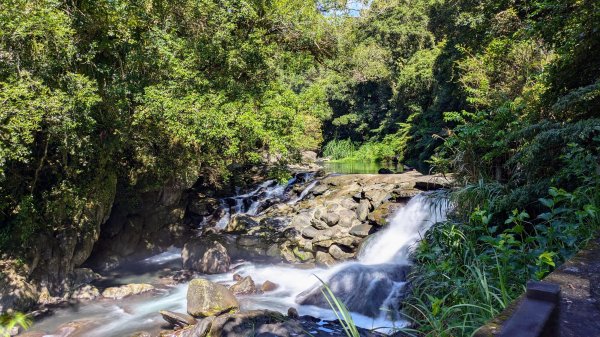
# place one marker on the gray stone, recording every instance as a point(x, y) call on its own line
point(377, 197)
point(362, 211)
point(86, 292)
point(339, 254)
point(346, 217)
point(268, 286)
point(362, 230)
point(318, 224)
point(324, 258)
point(330, 218)
point(205, 256)
point(293, 313)
point(240, 223)
point(309, 232)
point(244, 286)
point(205, 298)
point(127, 290)
point(319, 189)
point(177, 319)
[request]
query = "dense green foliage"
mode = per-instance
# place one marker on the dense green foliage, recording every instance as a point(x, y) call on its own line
point(505, 95)
point(135, 93)
point(131, 94)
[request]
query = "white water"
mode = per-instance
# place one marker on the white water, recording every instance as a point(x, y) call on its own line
point(303, 193)
point(392, 245)
point(407, 226)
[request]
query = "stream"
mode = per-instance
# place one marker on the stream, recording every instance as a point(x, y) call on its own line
point(366, 277)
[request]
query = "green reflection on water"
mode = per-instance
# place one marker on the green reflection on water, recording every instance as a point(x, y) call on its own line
point(359, 167)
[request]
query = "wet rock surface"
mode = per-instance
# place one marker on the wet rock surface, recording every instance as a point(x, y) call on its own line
point(332, 219)
point(362, 288)
point(264, 323)
point(205, 298)
point(206, 256)
point(126, 290)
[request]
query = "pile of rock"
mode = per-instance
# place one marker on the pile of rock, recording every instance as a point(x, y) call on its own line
point(334, 218)
point(213, 310)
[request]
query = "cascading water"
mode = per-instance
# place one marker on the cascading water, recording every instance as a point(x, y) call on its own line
point(372, 282)
point(303, 193)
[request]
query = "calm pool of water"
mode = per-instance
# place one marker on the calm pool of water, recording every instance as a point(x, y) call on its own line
point(360, 167)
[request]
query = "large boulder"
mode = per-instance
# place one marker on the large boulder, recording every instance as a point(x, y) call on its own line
point(362, 288)
point(205, 256)
point(205, 298)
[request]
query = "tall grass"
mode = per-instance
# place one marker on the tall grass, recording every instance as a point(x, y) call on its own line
point(338, 149)
point(345, 149)
point(340, 310)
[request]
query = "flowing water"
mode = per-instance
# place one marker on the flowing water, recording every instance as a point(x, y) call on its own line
point(387, 250)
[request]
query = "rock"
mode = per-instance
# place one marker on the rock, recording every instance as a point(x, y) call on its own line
point(203, 206)
point(127, 290)
point(385, 171)
point(349, 203)
point(268, 286)
point(349, 241)
point(377, 197)
point(330, 218)
point(237, 277)
point(380, 215)
point(346, 217)
point(318, 224)
point(244, 286)
point(338, 253)
point(362, 211)
point(293, 313)
point(201, 329)
point(319, 189)
point(205, 298)
point(309, 157)
point(86, 292)
point(302, 254)
point(362, 288)
point(16, 292)
point(324, 258)
point(273, 251)
point(177, 319)
point(205, 256)
point(240, 223)
point(141, 334)
point(309, 232)
point(361, 230)
point(254, 323)
point(82, 276)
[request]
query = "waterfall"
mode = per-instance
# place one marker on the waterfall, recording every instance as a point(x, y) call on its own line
point(406, 227)
point(373, 285)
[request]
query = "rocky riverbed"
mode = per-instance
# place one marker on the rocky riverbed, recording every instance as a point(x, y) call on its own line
point(261, 248)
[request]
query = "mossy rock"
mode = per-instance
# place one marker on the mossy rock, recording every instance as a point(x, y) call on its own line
point(205, 298)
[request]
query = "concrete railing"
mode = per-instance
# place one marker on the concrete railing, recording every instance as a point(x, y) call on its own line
point(538, 313)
